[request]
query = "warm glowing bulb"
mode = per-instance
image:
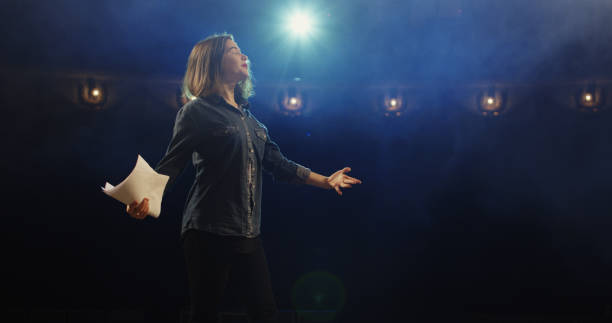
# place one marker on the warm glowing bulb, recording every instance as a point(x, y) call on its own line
point(95, 92)
point(293, 101)
point(490, 100)
point(588, 97)
point(393, 102)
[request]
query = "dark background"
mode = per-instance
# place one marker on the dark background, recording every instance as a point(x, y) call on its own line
point(459, 215)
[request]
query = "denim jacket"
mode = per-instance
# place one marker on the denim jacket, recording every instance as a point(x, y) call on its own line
point(229, 148)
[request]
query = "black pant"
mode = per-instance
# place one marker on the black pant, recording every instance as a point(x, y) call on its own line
point(212, 260)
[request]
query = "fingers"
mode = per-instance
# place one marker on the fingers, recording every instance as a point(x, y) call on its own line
point(340, 180)
point(337, 188)
point(144, 205)
point(346, 170)
point(353, 180)
point(143, 208)
point(350, 180)
point(130, 207)
point(138, 211)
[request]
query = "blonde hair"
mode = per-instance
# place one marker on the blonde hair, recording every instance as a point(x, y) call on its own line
point(203, 74)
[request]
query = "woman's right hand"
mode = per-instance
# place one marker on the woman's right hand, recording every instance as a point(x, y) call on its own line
point(138, 211)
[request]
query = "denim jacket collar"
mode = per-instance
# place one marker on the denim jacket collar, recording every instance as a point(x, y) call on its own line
point(217, 99)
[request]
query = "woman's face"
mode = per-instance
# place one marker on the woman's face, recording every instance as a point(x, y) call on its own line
point(234, 65)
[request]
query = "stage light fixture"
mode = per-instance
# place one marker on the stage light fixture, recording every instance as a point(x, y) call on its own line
point(392, 103)
point(588, 100)
point(591, 98)
point(300, 23)
point(92, 94)
point(491, 102)
point(291, 102)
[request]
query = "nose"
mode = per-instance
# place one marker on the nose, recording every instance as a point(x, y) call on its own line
point(245, 58)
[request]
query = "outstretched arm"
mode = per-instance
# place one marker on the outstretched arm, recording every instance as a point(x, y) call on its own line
point(288, 171)
point(335, 181)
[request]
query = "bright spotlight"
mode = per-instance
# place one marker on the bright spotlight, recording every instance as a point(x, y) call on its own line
point(300, 23)
point(393, 104)
point(293, 103)
point(591, 99)
point(492, 102)
point(93, 94)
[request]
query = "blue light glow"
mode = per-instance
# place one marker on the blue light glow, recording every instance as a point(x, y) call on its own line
point(301, 23)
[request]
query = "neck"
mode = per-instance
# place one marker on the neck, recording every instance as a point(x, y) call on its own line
point(227, 92)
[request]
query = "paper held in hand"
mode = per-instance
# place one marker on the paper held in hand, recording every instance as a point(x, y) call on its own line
point(142, 182)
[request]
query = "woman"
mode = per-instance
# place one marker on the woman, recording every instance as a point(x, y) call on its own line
point(229, 149)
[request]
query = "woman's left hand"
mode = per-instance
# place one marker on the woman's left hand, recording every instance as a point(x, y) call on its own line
point(340, 180)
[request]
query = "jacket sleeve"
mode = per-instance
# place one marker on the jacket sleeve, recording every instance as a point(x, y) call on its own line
point(281, 168)
point(185, 138)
